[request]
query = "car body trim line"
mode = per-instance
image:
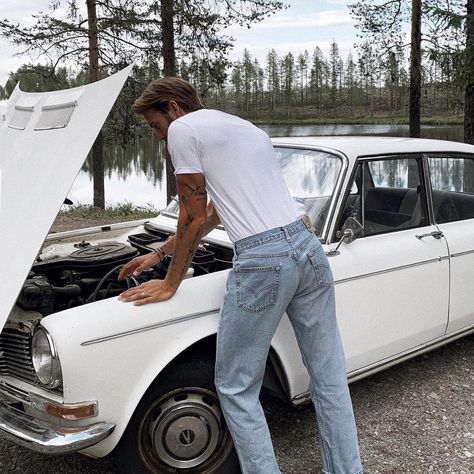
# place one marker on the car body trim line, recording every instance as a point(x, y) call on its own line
point(460, 254)
point(386, 363)
point(389, 270)
point(150, 327)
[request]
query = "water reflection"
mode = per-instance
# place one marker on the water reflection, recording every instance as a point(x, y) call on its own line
point(137, 173)
point(453, 133)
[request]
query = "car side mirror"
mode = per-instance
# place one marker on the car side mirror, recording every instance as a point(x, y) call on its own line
point(351, 230)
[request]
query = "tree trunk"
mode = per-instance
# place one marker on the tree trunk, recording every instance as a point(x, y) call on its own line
point(169, 69)
point(415, 70)
point(97, 149)
point(469, 92)
point(468, 172)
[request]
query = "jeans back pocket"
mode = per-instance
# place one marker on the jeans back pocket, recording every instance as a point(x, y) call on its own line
point(321, 267)
point(257, 287)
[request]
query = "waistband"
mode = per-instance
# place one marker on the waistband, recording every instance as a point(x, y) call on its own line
point(273, 234)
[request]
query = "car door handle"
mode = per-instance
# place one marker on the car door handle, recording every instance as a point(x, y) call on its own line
point(437, 234)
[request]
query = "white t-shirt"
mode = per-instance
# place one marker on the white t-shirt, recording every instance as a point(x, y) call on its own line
point(243, 177)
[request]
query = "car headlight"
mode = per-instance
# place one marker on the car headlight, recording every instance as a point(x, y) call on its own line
point(45, 359)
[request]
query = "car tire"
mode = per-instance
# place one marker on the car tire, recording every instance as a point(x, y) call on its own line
point(178, 427)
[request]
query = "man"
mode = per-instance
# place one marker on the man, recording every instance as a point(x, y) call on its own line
point(279, 266)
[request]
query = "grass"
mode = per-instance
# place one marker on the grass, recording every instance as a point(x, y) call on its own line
point(115, 211)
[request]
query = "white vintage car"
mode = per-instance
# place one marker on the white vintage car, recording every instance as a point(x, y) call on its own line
point(82, 371)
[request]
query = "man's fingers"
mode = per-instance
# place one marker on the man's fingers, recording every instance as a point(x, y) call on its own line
point(140, 269)
point(137, 266)
point(127, 269)
point(123, 272)
point(143, 301)
point(149, 292)
point(131, 294)
point(135, 293)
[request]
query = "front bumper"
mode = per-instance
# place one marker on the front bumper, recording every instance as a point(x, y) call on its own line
point(44, 437)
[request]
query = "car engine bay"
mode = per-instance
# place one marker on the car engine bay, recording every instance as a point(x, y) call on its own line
point(59, 281)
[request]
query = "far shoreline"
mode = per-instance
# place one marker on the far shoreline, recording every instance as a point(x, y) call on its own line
point(434, 121)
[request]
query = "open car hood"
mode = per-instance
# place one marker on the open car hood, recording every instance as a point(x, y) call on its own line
point(44, 140)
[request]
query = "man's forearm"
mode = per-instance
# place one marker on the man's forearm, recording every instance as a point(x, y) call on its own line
point(186, 241)
point(212, 221)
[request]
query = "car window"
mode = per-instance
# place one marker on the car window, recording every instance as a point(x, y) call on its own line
point(389, 195)
point(452, 187)
point(311, 177)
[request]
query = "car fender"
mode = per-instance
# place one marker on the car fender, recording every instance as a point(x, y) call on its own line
point(126, 347)
point(111, 351)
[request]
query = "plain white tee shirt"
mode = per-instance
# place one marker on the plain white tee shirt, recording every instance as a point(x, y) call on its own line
point(243, 177)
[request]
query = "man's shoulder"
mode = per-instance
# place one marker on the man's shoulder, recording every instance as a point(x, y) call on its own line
point(213, 126)
point(206, 116)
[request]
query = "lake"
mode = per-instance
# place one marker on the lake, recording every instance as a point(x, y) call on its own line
point(137, 173)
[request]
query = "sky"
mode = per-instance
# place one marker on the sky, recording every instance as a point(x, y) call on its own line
point(304, 25)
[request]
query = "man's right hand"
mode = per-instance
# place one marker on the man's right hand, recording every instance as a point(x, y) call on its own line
point(138, 264)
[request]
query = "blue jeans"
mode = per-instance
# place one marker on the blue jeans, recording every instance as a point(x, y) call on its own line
point(283, 269)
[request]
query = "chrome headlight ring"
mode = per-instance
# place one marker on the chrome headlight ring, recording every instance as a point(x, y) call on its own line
point(45, 359)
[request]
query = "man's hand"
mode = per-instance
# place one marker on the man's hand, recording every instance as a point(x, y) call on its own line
point(139, 264)
point(149, 292)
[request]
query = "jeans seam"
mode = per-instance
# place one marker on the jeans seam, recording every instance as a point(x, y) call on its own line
point(305, 242)
point(321, 271)
point(311, 378)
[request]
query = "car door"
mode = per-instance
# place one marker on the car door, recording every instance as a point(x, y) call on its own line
point(452, 188)
point(392, 284)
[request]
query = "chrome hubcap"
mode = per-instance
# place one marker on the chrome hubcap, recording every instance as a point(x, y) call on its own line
point(185, 429)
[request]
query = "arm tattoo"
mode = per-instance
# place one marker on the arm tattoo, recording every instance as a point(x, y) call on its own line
point(196, 190)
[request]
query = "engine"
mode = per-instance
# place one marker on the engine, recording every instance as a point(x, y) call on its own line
point(88, 274)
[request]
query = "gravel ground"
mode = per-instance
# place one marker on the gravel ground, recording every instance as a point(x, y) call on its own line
point(417, 417)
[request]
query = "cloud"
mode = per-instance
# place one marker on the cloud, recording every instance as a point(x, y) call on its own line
point(337, 2)
point(312, 20)
point(21, 12)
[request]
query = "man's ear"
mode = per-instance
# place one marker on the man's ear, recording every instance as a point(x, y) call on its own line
point(174, 110)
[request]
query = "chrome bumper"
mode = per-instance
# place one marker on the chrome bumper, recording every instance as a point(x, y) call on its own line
point(44, 437)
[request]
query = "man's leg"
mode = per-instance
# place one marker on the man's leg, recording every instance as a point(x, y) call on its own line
point(244, 339)
point(312, 313)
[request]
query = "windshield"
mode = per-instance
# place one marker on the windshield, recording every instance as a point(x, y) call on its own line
point(311, 177)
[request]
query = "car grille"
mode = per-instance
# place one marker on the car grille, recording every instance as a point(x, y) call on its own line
point(15, 355)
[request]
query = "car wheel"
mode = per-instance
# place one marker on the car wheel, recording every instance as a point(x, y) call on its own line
point(178, 427)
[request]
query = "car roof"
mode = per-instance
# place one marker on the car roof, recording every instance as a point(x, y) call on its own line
point(353, 147)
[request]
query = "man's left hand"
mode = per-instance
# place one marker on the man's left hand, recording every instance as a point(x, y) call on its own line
point(149, 292)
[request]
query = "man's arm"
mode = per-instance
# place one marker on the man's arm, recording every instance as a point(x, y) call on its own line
point(195, 220)
point(212, 221)
point(191, 225)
